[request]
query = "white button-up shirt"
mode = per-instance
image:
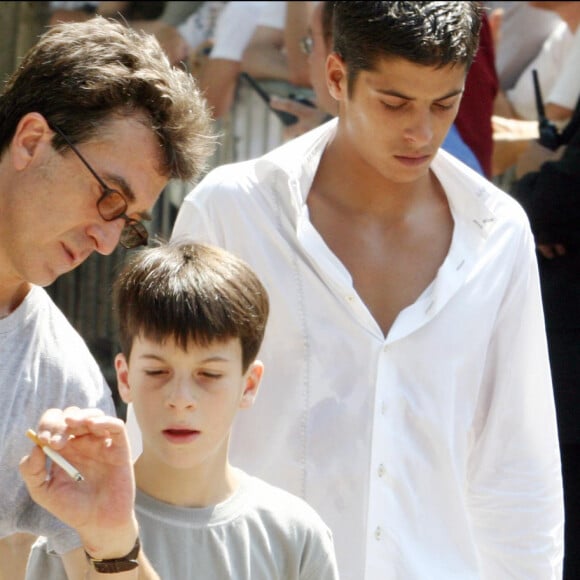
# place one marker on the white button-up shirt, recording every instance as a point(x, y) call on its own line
point(432, 453)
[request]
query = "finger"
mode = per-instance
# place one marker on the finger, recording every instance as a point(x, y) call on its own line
point(546, 251)
point(57, 425)
point(290, 106)
point(559, 249)
point(33, 469)
point(113, 431)
point(281, 104)
point(108, 424)
point(77, 420)
point(52, 427)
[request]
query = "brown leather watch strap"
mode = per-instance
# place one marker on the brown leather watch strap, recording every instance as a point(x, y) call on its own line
point(115, 565)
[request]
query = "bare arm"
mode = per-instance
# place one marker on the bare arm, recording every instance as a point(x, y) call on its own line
point(308, 117)
point(217, 80)
point(297, 27)
point(14, 551)
point(263, 57)
point(219, 75)
point(556, 112)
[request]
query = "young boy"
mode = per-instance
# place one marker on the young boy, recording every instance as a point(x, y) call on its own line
point(191, 320)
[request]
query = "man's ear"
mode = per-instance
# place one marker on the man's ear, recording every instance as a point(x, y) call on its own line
point(252, 380)
point(122, 369)
point(32, 132)
point(336, 76)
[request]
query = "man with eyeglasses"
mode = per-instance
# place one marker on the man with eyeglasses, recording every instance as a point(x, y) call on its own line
point(93, 124)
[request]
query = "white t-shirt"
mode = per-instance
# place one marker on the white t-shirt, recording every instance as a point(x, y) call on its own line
point(238, 21)
point(200, 26)
point(566, 89)
point(548, 64)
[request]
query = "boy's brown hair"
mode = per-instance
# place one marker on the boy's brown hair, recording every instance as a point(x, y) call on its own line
point(191, 293)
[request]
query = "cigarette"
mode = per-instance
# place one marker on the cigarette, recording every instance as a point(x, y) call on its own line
point(71, 470)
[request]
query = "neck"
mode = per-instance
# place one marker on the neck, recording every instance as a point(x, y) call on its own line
point(11, 296)
point(194, 487)
point(350, 182)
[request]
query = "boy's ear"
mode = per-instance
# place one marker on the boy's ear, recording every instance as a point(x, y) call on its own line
point(122, 369)
point(336, 76)
point(252, 380)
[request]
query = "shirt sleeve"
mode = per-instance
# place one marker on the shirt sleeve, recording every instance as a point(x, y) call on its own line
point(318, 560)
point(43, 563)
point(548, 64)
point(234, 29)
point(567, 86)
point(514, 485)
point(273, 15)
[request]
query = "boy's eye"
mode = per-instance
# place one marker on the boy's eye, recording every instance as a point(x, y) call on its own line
point(155, 372)
point(210, 374)
point(444, 106)
point(394, 106)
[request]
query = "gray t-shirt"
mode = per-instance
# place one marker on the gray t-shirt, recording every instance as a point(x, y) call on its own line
point(259, 533)
point(44, 363)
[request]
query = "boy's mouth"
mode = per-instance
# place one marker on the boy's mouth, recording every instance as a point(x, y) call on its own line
point(180, 435)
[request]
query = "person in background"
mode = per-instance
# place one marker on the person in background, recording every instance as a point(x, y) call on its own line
point(474, 117)
point(549, 195)
point(249, 38)
point(145, 16)
point(408, 397)
point(516, 120)
point(519, 30)
point(88, 140)
point(191, 320)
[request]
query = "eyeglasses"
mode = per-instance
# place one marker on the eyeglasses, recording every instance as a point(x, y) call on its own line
point(306, 44)
point(112, 205)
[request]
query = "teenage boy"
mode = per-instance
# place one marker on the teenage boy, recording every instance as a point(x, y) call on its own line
point(93, 124)
point(318, 45)
point(191, 321)
point(406, 344)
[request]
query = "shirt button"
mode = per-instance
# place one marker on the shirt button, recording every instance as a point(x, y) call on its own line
point(378, 533)
point(381, 470)
point(383, 408)
point(350, 298)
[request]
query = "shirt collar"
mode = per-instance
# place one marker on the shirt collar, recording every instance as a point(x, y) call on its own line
point(469, 194)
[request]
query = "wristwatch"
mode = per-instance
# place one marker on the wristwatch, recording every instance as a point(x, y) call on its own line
point(114, 565)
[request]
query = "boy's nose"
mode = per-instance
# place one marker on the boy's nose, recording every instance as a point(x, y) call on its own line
point(181, 396)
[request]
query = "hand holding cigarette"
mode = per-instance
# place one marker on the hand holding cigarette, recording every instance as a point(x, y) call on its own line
point(96, 448)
